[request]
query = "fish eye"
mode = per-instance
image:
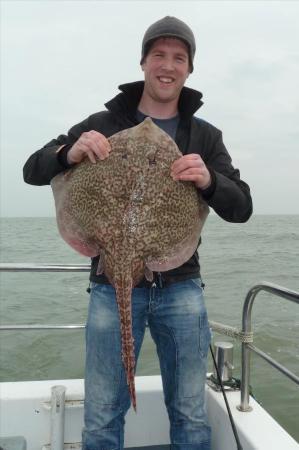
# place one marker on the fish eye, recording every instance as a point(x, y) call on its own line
point(124, 156)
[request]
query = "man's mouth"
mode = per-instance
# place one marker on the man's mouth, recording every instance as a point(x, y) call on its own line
point(166, 80)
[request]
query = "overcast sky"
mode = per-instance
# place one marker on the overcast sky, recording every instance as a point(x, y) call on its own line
point(62, 60)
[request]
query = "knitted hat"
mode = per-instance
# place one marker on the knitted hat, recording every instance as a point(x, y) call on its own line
point(169, 27)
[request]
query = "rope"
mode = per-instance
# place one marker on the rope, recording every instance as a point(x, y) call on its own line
point(232, 332)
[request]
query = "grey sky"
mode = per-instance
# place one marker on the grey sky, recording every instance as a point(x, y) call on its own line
point(61, 60)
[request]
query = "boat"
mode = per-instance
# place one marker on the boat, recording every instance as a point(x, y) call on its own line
point(48, 414)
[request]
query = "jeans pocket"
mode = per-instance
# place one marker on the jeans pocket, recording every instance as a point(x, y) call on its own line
point(204, 335)
point(93, 285)
point(198, 282)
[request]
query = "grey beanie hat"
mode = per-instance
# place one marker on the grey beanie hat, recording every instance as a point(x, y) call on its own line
point(169, 27)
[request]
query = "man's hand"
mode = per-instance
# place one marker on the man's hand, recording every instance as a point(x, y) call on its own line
point(91, 144)
point(191, 168)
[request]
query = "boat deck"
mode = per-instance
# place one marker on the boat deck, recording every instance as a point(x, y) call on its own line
point(19, 443)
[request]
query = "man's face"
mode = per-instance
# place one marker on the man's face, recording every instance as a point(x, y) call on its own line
point(166, 68)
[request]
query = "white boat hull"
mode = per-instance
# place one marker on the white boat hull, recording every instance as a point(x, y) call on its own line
point(26, 411)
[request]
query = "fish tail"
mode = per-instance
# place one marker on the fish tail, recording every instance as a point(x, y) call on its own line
point(133, 395)
point(128, 358)
point(123, 295)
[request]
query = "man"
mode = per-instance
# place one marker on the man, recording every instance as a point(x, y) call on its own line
point(173, 305)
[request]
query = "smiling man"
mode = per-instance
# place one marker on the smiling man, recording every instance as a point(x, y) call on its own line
point(173, 304)
point(166, 68)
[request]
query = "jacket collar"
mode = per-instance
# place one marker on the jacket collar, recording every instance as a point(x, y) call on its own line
point(127, 101)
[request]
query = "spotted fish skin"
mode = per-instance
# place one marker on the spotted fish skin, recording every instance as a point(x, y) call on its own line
point(129, 210)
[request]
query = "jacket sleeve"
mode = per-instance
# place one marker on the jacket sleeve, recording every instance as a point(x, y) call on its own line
point(228, 195)
point(47, 162)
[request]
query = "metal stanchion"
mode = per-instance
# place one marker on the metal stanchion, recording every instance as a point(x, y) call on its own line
point(57, 417)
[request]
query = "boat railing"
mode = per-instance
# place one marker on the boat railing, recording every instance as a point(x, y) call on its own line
point(245, 335)
point(248, 347)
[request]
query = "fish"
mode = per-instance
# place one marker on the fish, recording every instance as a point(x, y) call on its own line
point(128, 210)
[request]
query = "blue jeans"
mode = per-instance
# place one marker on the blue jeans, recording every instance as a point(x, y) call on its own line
point(177, 319)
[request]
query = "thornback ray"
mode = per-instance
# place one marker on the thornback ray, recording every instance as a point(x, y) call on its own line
point(128, 209)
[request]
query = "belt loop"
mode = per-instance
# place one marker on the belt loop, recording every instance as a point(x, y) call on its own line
point(160, 280)
point(88, 290)
point(154, 284)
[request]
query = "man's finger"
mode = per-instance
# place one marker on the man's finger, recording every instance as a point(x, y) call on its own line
point(91, 156)
point(190, 171)
point(98, 148)
point(100, 140)
point(191, 156)
point(104, 143)
point(184, 163)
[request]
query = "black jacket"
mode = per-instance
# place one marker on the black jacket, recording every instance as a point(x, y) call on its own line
point(228, 195)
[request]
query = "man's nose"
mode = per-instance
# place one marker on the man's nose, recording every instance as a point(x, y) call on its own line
point(167, 64)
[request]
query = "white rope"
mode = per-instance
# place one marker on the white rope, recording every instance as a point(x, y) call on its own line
point(231, 331)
